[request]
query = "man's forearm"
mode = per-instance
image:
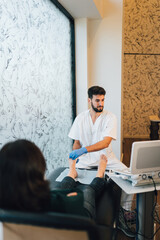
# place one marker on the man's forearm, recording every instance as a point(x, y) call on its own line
point(99, 145)
point(76, 145)
point(79, 151)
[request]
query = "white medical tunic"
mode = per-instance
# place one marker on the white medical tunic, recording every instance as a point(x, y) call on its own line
point(88, 133)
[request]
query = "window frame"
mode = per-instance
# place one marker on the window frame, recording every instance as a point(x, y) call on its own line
point(72, 42)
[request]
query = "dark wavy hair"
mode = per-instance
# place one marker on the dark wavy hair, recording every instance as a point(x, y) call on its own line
point(22, 183)
point(96, 90)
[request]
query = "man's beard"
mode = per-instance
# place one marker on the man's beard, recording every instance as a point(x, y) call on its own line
point(97, 109)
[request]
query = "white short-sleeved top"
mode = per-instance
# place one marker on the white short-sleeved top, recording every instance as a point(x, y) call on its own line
point(88, 133)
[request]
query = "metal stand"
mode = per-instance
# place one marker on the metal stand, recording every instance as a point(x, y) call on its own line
point(154, 127)
point(145, 219)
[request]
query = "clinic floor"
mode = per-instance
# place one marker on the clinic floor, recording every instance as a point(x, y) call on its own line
point(127, 143)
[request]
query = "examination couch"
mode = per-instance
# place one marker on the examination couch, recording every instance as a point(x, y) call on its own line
point(105, 221)
point(16, 225)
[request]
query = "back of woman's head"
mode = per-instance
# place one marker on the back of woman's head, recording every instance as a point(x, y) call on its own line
point(22, 184)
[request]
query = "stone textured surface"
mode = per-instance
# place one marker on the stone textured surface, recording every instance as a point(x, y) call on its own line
point(142, 26)
point(141, 93)
point(141, 66)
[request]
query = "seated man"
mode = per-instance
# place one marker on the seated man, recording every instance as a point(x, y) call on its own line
point(93, 132)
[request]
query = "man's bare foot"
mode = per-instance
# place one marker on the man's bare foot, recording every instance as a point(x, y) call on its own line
point(72, 169)
point(102, 166)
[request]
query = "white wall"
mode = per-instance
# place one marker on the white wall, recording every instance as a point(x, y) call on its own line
point(104, 59)
point(81, 38)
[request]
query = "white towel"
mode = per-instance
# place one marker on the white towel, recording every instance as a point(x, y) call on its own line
point(84, 176)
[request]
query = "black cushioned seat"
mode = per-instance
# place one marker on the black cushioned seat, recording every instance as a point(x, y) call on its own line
point(49, 225)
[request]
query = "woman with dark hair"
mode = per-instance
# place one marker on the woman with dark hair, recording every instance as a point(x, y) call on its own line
point(23, 186)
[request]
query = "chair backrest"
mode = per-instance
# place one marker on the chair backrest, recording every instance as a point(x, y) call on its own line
point(13, 231)
point(46, 226)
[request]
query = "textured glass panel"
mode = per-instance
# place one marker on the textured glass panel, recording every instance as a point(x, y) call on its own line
point(35, 77)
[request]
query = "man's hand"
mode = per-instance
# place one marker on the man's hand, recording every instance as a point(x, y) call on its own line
point(77, 153)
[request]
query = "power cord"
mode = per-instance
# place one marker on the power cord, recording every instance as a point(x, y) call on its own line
point(155, 190)
point(154, 211)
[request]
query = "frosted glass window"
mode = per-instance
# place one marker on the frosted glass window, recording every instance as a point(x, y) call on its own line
point(36, 77)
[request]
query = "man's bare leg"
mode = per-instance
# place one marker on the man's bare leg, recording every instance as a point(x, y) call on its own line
point(102, 166)
point(72, 169)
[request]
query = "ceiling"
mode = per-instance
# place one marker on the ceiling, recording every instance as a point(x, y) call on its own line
point(81, 8)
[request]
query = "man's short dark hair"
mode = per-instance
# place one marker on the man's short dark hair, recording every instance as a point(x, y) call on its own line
point(96, 90)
